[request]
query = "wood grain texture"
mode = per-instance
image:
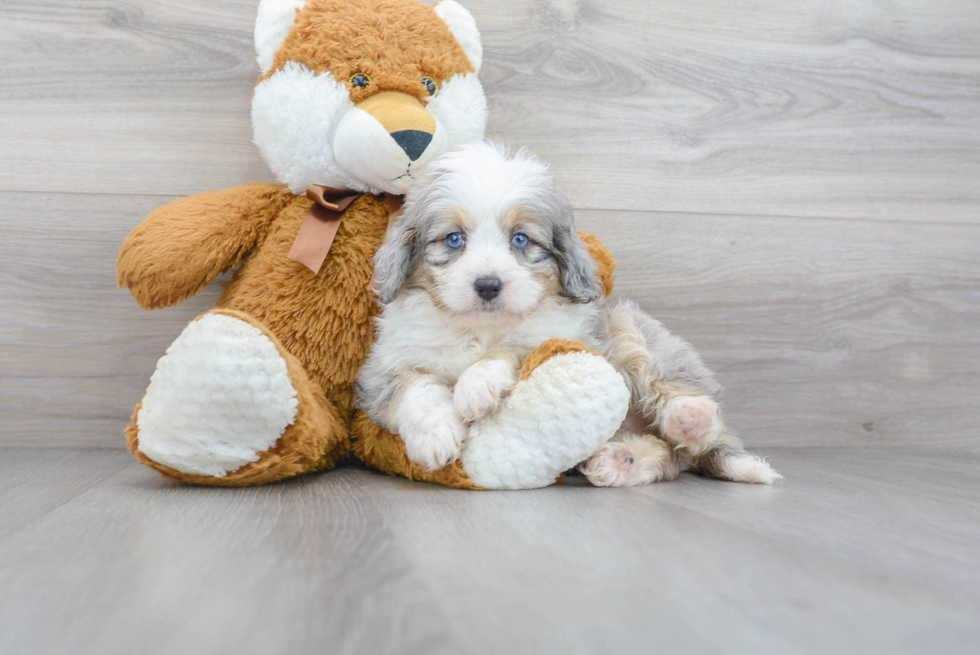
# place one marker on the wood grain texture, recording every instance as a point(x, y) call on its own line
point(862, 109)
point(693, 136)
point(859, 551)
point(823, 331)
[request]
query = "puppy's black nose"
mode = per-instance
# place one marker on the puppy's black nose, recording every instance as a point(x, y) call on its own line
point(488, 287)
point(413, 142)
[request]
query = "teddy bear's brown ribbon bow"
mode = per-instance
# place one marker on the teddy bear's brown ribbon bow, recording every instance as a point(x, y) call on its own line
point(316, 235)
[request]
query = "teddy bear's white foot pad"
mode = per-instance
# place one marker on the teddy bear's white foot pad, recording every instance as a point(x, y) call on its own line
point(556, 418)
point(220, 396)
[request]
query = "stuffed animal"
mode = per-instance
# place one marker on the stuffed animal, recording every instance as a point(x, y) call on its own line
point(355, 98)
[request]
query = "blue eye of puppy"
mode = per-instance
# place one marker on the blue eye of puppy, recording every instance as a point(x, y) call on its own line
point(455, 241)
point(520, 241)
point(359, 80)
point(430, 85)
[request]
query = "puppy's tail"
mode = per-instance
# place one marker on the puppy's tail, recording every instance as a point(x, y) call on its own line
point(727, 460)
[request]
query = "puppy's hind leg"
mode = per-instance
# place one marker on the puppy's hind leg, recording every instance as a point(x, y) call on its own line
point(671, 388)
point(629, 459)
point(675, 396)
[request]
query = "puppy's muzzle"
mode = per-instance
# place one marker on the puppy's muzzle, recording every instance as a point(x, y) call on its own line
point(404, 118)
point(488, 287)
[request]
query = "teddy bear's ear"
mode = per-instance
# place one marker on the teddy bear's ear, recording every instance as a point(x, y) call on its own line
point(463, 26)
point(274, 20)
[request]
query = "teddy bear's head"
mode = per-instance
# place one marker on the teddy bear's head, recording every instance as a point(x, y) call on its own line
point(363, 94)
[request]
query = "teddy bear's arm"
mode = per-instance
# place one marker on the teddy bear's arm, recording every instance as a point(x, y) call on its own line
point(183, 246)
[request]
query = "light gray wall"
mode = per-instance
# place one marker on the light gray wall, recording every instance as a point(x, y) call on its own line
point(794, 187)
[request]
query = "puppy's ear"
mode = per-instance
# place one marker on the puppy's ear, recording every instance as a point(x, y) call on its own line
point(394, 261)
point(575, 265)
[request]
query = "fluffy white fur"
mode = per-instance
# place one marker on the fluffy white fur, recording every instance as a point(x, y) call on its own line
point(429, 425)
point(220, 396)
point(565, 411)
point(463, 27)
point(273, 21)
point(481, 387)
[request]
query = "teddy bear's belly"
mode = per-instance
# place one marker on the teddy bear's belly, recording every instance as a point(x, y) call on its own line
point(324, 320)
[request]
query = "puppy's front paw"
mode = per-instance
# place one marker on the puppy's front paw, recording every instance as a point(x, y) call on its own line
point(429, 426)
point(481, 387)
point(691, 422)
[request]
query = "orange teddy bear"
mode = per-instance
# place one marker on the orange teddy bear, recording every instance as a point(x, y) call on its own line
point(355, 99)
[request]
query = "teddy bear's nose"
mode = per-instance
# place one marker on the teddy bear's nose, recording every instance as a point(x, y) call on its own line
point(404, 118)
point(413, 142)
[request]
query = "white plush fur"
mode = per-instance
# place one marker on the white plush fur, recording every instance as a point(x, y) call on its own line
point(463, 27)
point(460, 108)
point(366, 152)
point(220, 396)
point(273, 21)
point(295, 114)
point(309, 132)
point(565, 411)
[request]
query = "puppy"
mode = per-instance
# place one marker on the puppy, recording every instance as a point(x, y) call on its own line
point(483, 267)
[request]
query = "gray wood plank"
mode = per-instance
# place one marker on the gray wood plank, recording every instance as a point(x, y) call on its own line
point(865, 109)
point(826, 332)
point(872, 551)
point(33, 483)
point(136, 564)
point(706, 566)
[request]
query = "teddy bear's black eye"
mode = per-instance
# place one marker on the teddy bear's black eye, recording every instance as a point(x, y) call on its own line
point(430, 85)
point(360, 80)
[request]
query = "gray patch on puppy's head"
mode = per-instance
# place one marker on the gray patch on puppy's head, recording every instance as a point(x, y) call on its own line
point(396, 260)
point(576, 267)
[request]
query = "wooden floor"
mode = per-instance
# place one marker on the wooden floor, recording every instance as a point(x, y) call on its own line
point(860, 551)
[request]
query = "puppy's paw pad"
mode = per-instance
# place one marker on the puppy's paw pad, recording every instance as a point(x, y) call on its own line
point(613, 465)
point(691, 422)
point(481, 387)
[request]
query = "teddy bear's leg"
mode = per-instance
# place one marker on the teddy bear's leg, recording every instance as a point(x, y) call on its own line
point(569, 403)
point(228, 405)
